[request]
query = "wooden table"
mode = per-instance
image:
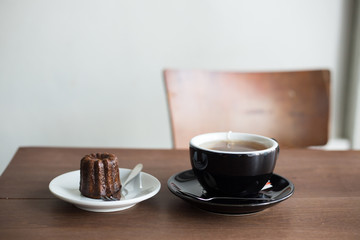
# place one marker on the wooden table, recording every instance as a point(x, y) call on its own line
point(325, 205)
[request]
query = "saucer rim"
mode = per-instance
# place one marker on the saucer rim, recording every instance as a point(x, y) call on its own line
point(198, 202)
point(98, 205)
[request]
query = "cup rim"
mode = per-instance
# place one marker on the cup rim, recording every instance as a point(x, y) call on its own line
point(271, 144)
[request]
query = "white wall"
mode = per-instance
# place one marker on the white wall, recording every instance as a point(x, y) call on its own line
point(89, 73)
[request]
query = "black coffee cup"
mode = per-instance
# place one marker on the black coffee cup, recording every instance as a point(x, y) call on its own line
point(233, 164)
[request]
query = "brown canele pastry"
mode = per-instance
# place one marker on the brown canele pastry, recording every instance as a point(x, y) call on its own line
point(99, 176)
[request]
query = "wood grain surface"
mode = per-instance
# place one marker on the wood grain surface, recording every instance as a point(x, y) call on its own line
point(325, 205)
point(292, 107)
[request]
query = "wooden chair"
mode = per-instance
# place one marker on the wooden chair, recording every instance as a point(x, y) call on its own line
point(292, 107)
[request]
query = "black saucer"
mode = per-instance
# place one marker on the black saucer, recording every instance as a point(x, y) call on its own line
point(186, 186)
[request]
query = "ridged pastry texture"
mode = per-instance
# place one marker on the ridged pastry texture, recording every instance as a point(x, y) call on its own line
point(99, 176)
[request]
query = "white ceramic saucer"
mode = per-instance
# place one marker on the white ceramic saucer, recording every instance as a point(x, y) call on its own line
point(66, 187)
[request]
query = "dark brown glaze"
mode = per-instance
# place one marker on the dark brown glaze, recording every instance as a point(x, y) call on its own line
point(99, 176)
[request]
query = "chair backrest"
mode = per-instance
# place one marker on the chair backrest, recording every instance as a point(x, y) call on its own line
point(292, 107)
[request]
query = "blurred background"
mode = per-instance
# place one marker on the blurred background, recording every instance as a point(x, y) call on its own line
point(89, 73)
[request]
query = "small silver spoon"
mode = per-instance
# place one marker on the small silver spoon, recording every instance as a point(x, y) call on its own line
point(132, 175)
